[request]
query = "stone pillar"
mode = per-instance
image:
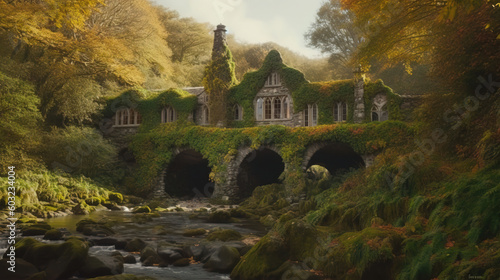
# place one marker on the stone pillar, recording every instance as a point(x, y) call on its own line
point(219, 40)
point(359, 89)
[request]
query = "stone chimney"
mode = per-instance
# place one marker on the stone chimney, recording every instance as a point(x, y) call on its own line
point(359, 90)
point(219, 40)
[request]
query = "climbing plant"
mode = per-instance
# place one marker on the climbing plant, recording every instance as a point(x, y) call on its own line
point(372, 89)
point(219, 78)
point(245, 92)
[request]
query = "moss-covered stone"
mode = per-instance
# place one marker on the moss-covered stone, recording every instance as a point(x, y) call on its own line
point(115, 197)
point(58, 261)
point(266, 256)
point(224, 235)
point(53, 234)
point(143, 209)
point(94, 201)
point(194, 232)
point(220, 217)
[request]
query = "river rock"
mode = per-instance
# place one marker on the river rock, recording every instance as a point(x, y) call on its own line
point(129, 259)
point(170, 255)
point(126, 277)
point(23, 270)
point(181, 262)
point(220, 217)
point(58, 261)
point(90, 227)
point(53, 234)
point(142, 209)
point(196, 251)
point(150, 261)
point(100, 265)
point(121, 244)
point(223, 259)
point(135, 245)
point(33, 230)
point(106, 241)
point(149, 252)
point(224, 235)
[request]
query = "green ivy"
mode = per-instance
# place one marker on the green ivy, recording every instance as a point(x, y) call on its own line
point(154, 149)
point(245, 92)
point(325, 95)
point(372, 89)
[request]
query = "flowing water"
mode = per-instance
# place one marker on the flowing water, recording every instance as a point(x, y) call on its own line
point(172, 225)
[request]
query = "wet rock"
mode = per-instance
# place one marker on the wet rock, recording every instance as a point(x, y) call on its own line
point(81, 208)
point(93, 201)
point(115, 197)
point(159, 230)
point(135, 245)
point(149, 252)
point(102, 265)
point(33, 230)
point(196, 251)
point(53, 234)
point(124, 277)
point(181, 262)
point(90, 227)
point(121, 244)
point(194, 232)
point(224, 235)
point(106, 241)
point(170, 255)
point(220, 217)
point(143, 209)
point(223, 259)
point(59, 261)
point(129, 259)
point(24, 270)
point(150, 261)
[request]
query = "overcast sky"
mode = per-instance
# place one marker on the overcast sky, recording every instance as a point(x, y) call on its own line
point(256, 21)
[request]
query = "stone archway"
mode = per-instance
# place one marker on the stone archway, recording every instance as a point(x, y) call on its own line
point(333, 156)
point(187, 175)
point(256, 168)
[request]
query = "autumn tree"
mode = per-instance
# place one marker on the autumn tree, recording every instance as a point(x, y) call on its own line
point(334, 33)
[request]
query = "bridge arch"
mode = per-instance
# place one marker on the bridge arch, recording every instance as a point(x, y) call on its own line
point(334, 156)
point(256, 168)
point(187, 175)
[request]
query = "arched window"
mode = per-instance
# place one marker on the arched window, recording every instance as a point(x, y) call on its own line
point(260, 104)
point(311, 115)
point(273, 79)
point(268, 107)
point(127, 117)
point(340, 112)
point(379, 108)
point(168, 114)
point(277, 108)
point(238, 112)
point(205, 115)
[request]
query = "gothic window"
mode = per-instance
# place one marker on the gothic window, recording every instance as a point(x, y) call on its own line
point(204, 115)
point(340, 112)
point(260, 104)
point(273, 80)
point(268, 108)
point(168, 115)
point(277, 108)
point(238, 112)
point(379, 108)
point(311, 115)
point(127, 117)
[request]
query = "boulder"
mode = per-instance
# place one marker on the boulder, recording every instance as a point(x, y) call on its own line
point(223, 259)
point(182, 262)
point(58, 261)
point(33, 230)
point(53, 234)
point(220, 217)
point(121, 244)
point(170, 255)
point(135, 245)
point(194, 232)
point(115, 197)
point(196, 251)
point(143, 209)
point(224, 235)
point(150, 261)
point(129, 259)
point(90, 227)
point(23, 270)
point(149, 252)
point(100, 265)
point(81, 208)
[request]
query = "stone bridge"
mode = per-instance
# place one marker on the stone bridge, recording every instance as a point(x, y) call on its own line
point(189, 174)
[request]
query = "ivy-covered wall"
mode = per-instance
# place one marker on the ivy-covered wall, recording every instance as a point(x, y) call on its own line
point(154, 149)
